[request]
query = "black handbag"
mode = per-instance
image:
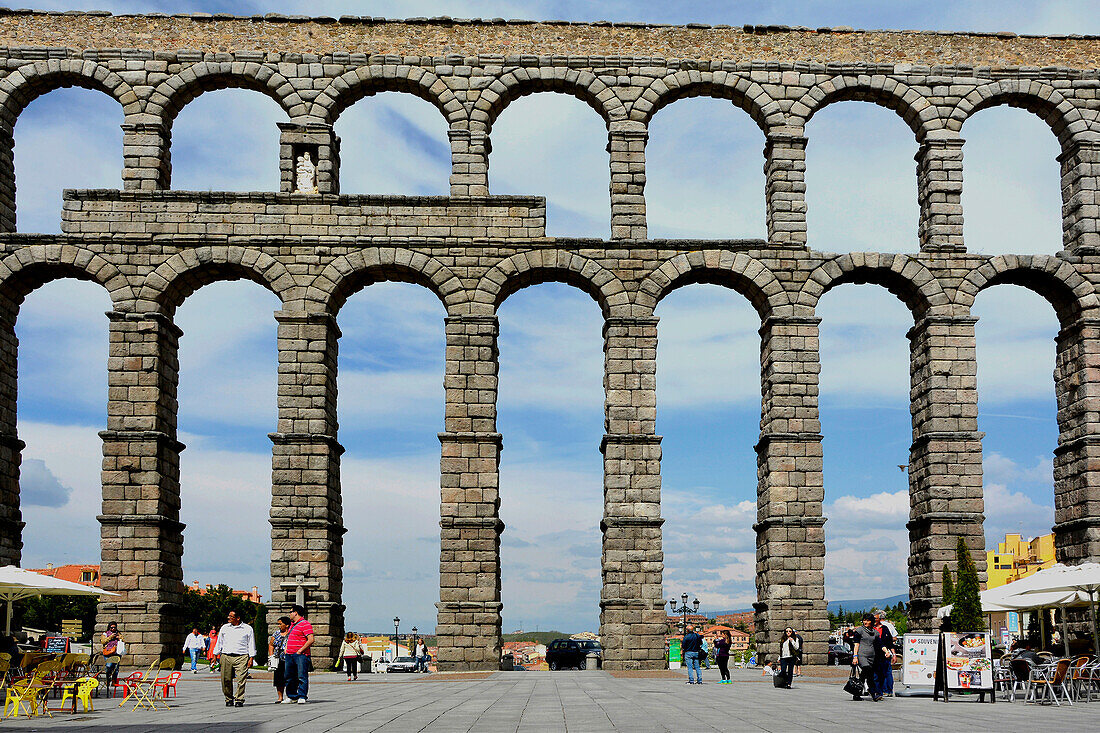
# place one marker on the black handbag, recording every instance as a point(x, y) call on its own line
point(853, 686)
point(781, 680)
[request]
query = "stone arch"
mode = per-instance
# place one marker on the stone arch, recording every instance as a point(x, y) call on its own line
point(184, 273)
point(538, 266)
point(1071, 294)
point(920, 114)
point(519, 82)
point(912, 282)
point(348, 88)
point(735, 270)
point(347, 275)
point(30, 81)
point(30, 267)
point(744, 93)
point(1041, 99)
point(174, 93)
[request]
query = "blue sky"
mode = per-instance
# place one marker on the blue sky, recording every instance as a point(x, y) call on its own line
point(704, 179)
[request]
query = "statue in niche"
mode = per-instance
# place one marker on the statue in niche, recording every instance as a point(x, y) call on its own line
point(305, 170)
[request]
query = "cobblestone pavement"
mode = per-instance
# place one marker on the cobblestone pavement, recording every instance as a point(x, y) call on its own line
point(565, 701)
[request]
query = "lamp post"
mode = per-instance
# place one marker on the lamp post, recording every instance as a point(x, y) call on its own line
point(683, 609)
point(396, 622)
point(412, 644)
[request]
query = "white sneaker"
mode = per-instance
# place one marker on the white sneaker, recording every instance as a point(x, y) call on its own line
point(286, 701)
point(301, 701)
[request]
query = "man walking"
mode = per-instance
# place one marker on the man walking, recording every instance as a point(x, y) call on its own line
point(235, 649)
point(888, 635)
point(692, 647)
point(193, 645)
point(299, 638)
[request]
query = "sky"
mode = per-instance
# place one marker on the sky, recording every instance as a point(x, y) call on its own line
point(704, 179)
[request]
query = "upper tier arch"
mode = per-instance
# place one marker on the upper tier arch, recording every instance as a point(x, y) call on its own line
point(351, 86)
point(920, 114)
point(30, 81)
point(744, 93)
point(184, 273)
point(174, 93)
point(1064, 119)
point(30, 267)
point(538, 266)
point(912, 282)
point(519, 82)
point(346, 275)
point(735, 270)
point(1071, 294)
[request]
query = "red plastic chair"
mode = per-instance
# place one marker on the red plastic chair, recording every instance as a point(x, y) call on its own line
point(169, 683)
point(127, 682)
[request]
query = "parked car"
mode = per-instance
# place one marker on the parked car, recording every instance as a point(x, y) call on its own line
point(402, 664)
point(839, 654)
point(563, 653)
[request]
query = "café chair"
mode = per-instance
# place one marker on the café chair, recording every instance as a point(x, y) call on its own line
point(1053, 682)
point(81, 690)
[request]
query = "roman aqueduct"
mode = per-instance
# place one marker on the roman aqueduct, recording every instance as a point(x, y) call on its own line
point(150, 247)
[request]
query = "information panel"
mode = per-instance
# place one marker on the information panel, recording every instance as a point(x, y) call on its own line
point(918, 659)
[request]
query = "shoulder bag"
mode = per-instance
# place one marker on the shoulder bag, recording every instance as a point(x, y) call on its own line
point(853, 686)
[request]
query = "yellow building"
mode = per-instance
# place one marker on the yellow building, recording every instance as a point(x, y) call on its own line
point(1017, 558)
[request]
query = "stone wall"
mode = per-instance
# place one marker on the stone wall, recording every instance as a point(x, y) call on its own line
point(201, 214)
point(150, 248)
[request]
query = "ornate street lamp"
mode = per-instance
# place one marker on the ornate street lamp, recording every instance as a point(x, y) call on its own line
point(396, 622)
point(683, 609)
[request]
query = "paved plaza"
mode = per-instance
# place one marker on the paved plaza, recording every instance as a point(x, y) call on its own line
point(565, 701)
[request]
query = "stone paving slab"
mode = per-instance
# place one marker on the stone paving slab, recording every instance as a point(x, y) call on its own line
point(577, 702)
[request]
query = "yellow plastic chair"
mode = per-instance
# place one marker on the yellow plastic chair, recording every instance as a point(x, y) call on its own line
point(26, 695)
point(81, 689)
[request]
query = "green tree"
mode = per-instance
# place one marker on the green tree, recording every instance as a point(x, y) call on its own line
point(966, 613)
point(259, 628)
point(211, 609)
point(47, 612)
point(948, 586)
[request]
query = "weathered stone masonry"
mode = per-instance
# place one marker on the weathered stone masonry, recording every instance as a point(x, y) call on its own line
point(150, 248)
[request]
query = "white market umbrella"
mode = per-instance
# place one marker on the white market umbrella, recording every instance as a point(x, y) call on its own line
point(17, 584)
point(1080, 582)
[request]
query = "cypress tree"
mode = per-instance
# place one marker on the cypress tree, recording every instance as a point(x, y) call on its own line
point(259, 630)
point(966, 615)
point(948, 586)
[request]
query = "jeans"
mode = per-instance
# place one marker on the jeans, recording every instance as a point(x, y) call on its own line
point(884, 676)
point(194, 658)
point(692, 659)
point(786, 666)
point(296, 669)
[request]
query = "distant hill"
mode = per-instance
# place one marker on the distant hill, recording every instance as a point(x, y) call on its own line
point(866, 604)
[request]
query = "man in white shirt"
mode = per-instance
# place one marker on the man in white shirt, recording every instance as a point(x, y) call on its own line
point(194, 645)
point(235, 649)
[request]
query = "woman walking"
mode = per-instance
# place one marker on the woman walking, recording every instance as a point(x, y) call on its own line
point(350, 651)
point(113, 647)
point(211, 642)
point(790, 648)
point(722, 655)
point(276, 648)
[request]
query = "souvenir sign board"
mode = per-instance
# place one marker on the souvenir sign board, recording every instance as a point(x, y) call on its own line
point(918, 659)
point(964, 663)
